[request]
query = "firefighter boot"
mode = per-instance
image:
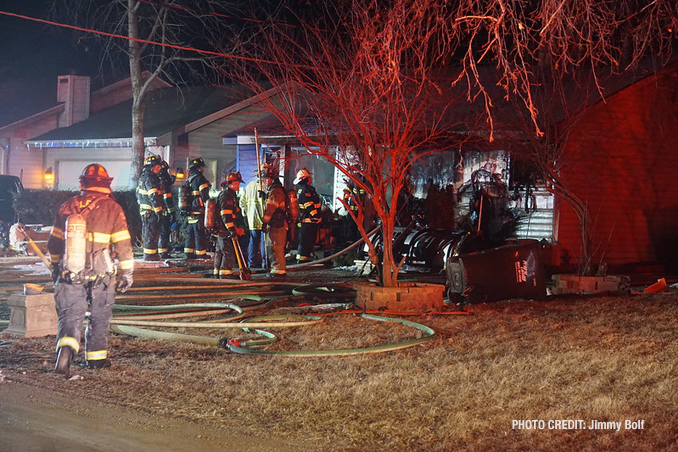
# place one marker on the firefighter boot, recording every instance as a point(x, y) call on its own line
point(63, 361)
point(98, 363)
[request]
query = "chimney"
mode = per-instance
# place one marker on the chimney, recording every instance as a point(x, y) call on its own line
point(74, 92)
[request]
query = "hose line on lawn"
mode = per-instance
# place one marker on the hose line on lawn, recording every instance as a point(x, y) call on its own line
point(244, 347)
point(129, 324)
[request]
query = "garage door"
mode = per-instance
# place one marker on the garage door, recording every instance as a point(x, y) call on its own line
point(68, 173)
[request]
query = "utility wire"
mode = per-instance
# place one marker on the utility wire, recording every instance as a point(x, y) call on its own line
point(146, 41)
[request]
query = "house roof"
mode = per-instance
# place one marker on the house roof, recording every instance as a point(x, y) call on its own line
point(167, 109)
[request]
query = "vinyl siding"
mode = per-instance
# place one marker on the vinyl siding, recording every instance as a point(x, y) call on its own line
point(620, 160)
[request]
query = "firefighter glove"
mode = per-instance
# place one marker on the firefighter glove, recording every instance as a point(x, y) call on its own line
point(264, 227)
point(125, 282)
point(240, 232)
point(261, 193)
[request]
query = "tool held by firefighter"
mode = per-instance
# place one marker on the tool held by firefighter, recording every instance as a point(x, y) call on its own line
point(261, 189)
point(35, 248)
point(245, 272)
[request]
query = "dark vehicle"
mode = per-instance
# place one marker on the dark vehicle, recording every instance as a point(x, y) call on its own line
point(9, 185)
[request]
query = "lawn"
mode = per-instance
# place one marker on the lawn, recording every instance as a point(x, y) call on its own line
point(593, 360)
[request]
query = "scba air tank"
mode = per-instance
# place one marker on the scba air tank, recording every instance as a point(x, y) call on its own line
point(182, 198)
point(292, 205)
point(75, 236)
point(210, 213)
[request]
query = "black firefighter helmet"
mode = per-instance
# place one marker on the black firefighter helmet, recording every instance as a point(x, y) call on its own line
point(153, 160)
point(197, 162)
point(95, 175)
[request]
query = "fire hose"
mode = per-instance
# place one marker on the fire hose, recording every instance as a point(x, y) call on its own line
point(337, 254)
point(130, 325)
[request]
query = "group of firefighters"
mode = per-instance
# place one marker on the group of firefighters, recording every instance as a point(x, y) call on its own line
point(265, 209)
point(91, 225)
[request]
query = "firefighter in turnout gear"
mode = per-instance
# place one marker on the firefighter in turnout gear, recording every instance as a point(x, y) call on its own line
point(275, 224)
point(309, 217)
point(168, 216)
point(151, 206)
point(195, 245)
point(228, 223)
point(87, 229)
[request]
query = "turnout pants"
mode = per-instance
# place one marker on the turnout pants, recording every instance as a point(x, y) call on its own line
point(165, 232)
point(196, 237)
point(275, 242)
point(150, 229)
point(224, 256)
point(72, 302)
point(308, 233)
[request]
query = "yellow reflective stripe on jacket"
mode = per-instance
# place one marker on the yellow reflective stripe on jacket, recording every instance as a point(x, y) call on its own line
point(120, 236)
point(127, 265)
point(204, 186)
point(57, 233)
point(97, 355)
point(147, 192)
point(70, 342)
point(100, 237)
point(227, 212)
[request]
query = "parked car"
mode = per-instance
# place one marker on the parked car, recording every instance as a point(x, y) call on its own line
point(9, 185)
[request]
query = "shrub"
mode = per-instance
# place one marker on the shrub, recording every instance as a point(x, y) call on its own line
point(41, 206)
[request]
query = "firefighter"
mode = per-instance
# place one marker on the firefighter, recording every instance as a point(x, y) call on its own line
point(309, 216)
point(275, 224)
point(228, 223)
point(252, 205)
point(87, 229)
point(151, 206)
point(195, 245)
point(168, 217)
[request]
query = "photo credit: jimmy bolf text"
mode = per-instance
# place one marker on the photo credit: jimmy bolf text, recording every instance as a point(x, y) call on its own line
point(576, 424)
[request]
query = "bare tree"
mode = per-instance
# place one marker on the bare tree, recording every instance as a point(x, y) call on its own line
point(160, 40)
point(361, 88)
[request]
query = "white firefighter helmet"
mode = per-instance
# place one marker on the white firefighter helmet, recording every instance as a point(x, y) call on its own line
point(301, 175)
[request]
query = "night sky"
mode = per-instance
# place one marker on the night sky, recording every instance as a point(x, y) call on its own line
point(31, 49)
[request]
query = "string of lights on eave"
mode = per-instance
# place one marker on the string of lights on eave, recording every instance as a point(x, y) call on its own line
point(87, 143)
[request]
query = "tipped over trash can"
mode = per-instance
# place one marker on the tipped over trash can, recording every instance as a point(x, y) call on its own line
point(508, 271)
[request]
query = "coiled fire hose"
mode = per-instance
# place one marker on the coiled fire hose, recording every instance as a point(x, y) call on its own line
point(130, 324)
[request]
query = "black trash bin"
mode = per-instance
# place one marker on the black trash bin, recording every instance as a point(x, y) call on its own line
point(509, 271)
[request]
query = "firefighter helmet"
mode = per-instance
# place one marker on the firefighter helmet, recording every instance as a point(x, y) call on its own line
point(197, 162)
point(153, 160)
point(95, 175)
point(269, 172)
point(301, 175)
point(232, 177)
point(164, 165)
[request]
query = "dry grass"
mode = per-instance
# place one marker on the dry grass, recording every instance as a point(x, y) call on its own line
point(606, 359)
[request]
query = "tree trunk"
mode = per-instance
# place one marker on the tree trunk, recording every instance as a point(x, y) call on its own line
point(138, 103)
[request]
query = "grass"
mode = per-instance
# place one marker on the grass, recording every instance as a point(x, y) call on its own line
point(608, 359)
